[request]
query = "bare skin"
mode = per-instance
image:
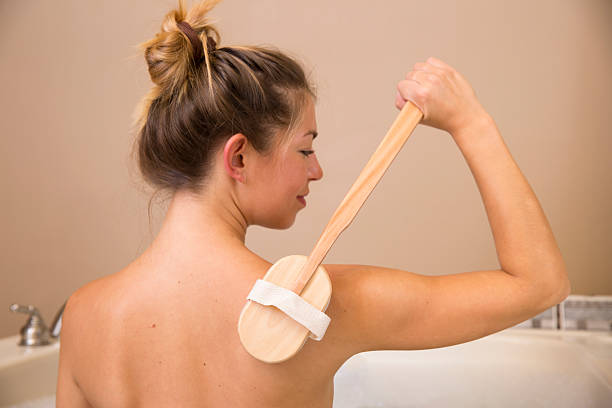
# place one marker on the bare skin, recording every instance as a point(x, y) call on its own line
point(163, 331)
point(167, 336)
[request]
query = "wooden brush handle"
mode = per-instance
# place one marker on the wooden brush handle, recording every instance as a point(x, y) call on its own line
point(408, 118)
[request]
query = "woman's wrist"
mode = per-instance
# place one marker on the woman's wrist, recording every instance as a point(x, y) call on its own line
point(476, 126)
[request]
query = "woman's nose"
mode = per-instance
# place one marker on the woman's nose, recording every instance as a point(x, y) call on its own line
point(316, 172)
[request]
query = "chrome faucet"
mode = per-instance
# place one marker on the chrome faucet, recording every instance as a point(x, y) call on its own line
point(35, 332)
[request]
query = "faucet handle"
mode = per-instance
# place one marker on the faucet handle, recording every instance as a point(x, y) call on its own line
point(35, 332)
point(24, 309)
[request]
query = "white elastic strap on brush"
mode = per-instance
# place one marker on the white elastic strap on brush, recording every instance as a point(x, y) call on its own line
point(269, 294)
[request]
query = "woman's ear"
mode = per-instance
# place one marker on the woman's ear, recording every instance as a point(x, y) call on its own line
point(233, 157)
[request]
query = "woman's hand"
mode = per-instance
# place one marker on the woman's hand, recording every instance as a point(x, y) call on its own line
point(446, 99)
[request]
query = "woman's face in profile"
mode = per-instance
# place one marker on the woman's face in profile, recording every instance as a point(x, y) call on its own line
point(284, 176)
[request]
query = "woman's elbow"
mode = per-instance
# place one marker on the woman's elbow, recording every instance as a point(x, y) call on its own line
point(555, 291)
point(565, 290)
point(561, 289)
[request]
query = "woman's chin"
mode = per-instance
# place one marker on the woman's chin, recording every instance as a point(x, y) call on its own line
point(280, 224)
point(288, 224)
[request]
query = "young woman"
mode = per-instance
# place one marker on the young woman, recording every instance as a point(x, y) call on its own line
point(229, 131)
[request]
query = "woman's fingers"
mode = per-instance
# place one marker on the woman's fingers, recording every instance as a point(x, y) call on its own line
point(445, 98)
point(420, 66)
point(424, 78)
point(399, 101)
point(439, 63)
point(407, 91)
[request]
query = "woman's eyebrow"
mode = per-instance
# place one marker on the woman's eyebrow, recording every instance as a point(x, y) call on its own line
point(314, 133)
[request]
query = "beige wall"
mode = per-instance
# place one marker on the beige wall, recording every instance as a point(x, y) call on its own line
point(73, 209)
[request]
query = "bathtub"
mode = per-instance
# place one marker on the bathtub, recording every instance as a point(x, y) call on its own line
point(516, 367)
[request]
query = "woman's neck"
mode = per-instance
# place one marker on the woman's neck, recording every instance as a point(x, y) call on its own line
point(192, 222)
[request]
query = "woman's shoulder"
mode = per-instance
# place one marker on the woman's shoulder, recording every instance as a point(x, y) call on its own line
point(81, 320)
point(95, 307)
point(86, 299)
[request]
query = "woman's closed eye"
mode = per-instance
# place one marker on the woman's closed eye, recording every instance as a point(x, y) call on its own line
point(306, 153)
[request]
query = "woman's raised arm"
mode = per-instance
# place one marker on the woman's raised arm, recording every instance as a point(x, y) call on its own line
point(377, 308)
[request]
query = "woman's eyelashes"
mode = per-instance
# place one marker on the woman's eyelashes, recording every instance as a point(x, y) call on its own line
point(306, 153)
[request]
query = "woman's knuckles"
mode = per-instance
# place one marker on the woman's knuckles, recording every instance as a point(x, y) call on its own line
point(434, 79)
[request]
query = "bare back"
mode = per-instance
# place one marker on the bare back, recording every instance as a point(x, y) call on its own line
point(137, 338)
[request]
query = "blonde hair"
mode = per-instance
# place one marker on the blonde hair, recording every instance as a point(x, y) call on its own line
point(193, 108)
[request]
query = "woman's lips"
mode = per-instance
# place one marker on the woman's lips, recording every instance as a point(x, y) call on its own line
point(302, 200)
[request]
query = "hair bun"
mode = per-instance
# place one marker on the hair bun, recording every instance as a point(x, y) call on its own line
point(194, 39)
point(170, 55)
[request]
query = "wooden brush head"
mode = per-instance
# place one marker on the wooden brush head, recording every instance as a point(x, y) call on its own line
point(267, 333)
